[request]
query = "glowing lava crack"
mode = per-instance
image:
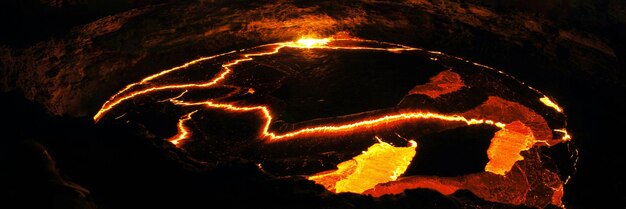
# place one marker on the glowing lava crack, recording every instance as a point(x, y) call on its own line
point(379, 169)
point(330, 129)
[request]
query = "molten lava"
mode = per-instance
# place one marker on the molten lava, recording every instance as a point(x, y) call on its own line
point(183, 132)
point(311, 42)
point(545, 100)
point(566, 136)
point(512, 152)
point(506, 146)
point(443, 83)
point(381, 163)
point(338, 128)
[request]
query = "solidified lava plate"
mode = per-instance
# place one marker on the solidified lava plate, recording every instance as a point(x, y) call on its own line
point(359, 116)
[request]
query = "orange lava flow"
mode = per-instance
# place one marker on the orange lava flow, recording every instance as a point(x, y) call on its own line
point(183, 132)
point(381, 163)
point(506, 145)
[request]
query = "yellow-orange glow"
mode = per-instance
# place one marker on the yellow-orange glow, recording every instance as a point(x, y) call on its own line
point(381, 121)
point(183, 132)
point(545, 100)
point(506, 146)
point(381, 163)
point(311, 42)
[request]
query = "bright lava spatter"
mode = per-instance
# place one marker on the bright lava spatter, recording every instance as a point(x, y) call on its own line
point(124, 94)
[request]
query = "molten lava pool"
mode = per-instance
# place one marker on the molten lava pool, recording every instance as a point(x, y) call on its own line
point(359, 116)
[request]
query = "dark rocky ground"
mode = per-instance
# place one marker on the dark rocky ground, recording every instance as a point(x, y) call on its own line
point(60, 60)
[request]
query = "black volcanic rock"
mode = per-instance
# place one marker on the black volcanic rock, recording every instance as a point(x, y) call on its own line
point(26, 22)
